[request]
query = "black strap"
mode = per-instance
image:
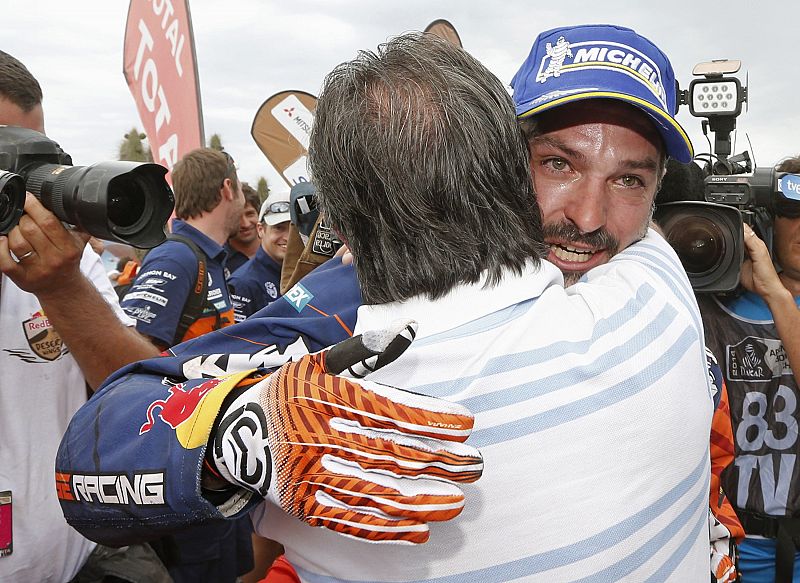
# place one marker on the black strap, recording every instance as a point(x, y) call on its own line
point(785, 531)
point(197, 300)
point(788, 536)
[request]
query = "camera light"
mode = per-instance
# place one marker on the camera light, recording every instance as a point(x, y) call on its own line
point(715, 97)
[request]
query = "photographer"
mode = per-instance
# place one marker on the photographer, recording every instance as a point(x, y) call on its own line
point(60, 329)
point(755, 337)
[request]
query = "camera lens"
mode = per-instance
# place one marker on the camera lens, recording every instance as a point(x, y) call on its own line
point(126, 204)
point(699, 243)
point(12, 200)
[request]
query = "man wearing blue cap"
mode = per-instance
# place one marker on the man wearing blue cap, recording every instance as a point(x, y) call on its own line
point(597, 104)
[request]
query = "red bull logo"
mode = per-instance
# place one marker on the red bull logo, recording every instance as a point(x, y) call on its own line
point(178, 406)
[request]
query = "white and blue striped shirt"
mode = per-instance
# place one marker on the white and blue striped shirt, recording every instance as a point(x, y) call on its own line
point(592, 410)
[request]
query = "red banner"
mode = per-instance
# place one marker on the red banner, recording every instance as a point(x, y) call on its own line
point(159, 67)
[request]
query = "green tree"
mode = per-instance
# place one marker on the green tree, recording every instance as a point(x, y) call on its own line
point(215, 142)
point(133, 149)
point(262, 189)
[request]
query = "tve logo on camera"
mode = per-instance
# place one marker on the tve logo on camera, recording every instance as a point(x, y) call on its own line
point(789, 185)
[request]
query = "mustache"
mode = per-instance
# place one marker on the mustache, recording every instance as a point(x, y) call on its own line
point(568, 232)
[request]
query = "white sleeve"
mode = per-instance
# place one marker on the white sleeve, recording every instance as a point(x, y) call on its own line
point(652, 262)
point(648, 275)
point(92, 268)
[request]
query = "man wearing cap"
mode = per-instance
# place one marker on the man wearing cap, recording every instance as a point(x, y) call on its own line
point(581, 92)
point(594, 431)
point(257, 283)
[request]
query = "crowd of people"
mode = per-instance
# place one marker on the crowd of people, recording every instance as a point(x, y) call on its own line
point(503, 375)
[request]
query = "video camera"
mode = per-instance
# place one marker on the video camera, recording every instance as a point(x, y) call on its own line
point(707, 234)
point(128, 202)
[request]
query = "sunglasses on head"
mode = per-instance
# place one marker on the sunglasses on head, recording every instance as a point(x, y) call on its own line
point(231, 169)
point(278, 207)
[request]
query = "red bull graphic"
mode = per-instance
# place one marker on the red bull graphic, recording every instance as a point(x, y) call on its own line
point(178, 406)
point(42, 338)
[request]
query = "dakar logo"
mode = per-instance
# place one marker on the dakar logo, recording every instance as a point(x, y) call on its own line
point(557, 54)
point(42, 338)
point(748, 360)
point(178, 406)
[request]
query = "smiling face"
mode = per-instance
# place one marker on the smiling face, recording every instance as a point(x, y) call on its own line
point(274, 239)
point(247, 232)
point(596, 166)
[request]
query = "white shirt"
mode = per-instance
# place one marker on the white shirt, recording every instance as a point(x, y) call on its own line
point(41, 387)
point(592, 411)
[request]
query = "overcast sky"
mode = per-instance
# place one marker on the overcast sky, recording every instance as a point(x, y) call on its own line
point(249, 49)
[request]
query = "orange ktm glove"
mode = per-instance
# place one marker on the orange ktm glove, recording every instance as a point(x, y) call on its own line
point(364, 459)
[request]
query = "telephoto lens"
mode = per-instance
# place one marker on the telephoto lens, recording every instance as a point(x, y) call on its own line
point(129, 202)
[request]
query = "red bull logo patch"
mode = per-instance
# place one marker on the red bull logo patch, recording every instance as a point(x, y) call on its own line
point(179, 405)
point(43, 340)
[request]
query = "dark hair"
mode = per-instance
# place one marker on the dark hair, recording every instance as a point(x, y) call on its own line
point(420, 165)
point(197, 179)
point(17, 84)
point(251, 197)
point(785, 207)
point(123, 261)
point(789, 165)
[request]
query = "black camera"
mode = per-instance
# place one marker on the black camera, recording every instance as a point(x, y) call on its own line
point(129, 202)
point(705, 229)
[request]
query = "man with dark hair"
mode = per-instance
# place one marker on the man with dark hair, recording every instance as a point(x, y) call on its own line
point(754, 334)
point(422, 169)
point(60, 328)
point(430, 199)
point(20, 95)
point(244, 245)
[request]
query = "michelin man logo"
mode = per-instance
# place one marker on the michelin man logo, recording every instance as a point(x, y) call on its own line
point(557, 54)
point(272, 291)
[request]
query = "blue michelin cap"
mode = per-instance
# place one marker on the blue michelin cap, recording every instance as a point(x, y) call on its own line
point(602, 61)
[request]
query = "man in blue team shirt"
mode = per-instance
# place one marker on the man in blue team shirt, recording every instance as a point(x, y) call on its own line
point(257, 283)
point(208, 206)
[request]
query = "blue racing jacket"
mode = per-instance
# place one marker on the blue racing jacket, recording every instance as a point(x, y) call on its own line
point(129, 465)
